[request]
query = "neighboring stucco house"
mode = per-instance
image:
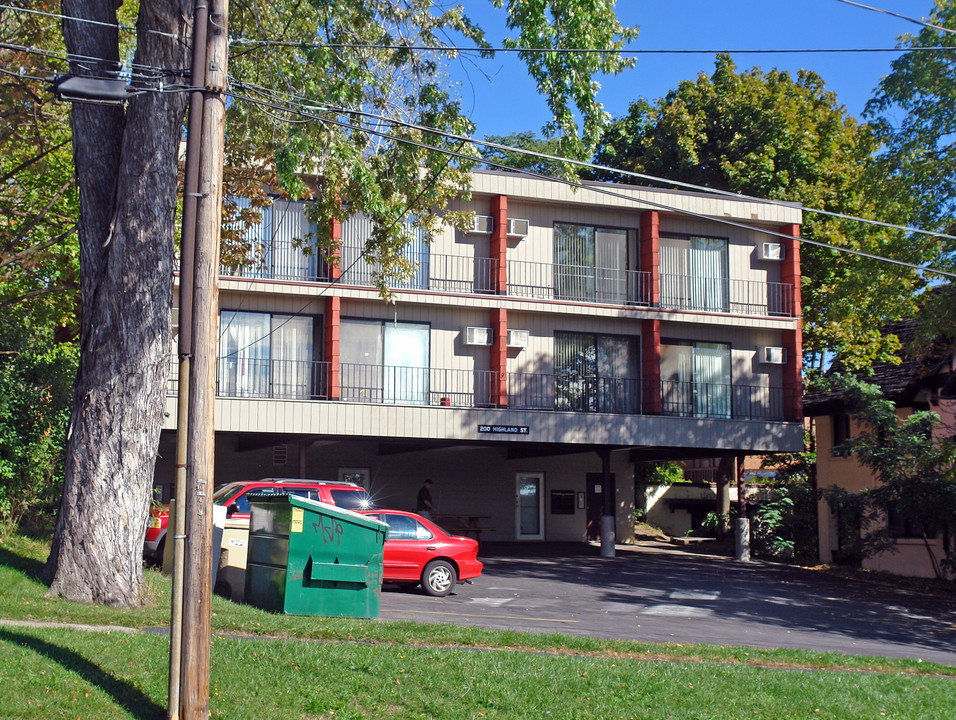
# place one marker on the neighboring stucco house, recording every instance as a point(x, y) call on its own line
point(914, 384)
point(528, 366)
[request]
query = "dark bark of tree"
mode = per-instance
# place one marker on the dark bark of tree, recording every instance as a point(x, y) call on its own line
point(126, 166)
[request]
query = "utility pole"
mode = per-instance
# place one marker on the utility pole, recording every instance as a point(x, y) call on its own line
point(187, 249)
point(191, 623)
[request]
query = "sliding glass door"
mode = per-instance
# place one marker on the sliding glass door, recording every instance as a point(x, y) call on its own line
point(695, 379)
point(264, 355)
point(590, 263)
point(694, 273)
point(384, 362)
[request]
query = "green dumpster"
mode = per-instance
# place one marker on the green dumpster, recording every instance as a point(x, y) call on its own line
point(309, 558)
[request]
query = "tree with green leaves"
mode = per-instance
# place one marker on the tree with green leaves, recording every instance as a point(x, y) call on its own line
point(38, 198)
point(330, 101)
point(39, 266)
point(913, 473)
point(912, 114)
point(773, 136)
point(521, 151)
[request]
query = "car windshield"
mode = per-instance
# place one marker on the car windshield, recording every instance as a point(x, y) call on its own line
point(224, 493)
point(352, 499)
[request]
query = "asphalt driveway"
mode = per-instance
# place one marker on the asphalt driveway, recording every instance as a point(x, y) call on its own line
point(654, 593)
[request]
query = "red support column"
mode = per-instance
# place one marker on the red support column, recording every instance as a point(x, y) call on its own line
point(499, 356)
point(651, 366)
point(792, 339)
point(499, 242)
point(335, 270)
point(333, 322)
point(650, 256)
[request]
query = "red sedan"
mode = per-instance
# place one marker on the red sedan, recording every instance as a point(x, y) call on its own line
point(418, 551)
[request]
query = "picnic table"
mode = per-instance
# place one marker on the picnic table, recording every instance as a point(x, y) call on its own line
point(463, 523)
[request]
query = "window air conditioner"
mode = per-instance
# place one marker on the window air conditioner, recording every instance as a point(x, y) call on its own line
point(771, 355)
point(483, 224)
point(477, 336)
point(518, 338)
point(771, 251)
point(517, 227)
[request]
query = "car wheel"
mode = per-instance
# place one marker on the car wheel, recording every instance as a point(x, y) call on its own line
point(439, 578)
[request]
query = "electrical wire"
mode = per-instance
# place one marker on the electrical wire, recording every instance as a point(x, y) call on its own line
point(608, 192)
point(898, 15)
point(456, 50)
point(605, 168)
point(89, 21)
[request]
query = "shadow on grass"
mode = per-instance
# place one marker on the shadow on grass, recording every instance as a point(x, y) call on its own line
point(132, 700)
point(30, 567)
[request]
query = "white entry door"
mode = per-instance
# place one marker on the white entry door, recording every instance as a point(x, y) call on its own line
point(529, 506)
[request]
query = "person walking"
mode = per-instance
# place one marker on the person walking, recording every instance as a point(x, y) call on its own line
point(423, 504)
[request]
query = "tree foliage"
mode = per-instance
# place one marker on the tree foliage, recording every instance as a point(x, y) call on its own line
point(769, 135)
point(784, 525)
point(36, 381)
point(39, 264)
point(518, 151)
point(913, 114)
point(912, 469)
point(39, 258)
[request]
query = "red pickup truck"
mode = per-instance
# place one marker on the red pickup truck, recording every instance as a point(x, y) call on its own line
point(235, 497)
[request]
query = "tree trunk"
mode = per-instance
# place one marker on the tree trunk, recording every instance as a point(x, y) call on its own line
point(126, 165)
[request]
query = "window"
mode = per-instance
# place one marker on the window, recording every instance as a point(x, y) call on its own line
point(359, 270)
point(695, 379)
point(591, 263)
point(900, 526)
point(385, 361)
point(403, 527)
point(265, 356)
point(282, 246)
point(596, 373)
point(840, 426)
point(694, 273)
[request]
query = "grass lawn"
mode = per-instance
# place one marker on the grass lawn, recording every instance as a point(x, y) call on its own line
point(309, 667)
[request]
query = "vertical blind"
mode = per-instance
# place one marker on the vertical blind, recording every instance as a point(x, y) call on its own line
point(694, 272)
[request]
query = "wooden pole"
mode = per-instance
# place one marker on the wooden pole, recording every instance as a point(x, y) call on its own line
point(200, 465)
point(187, 248)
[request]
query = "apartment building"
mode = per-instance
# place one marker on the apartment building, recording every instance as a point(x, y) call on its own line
point(527, 365)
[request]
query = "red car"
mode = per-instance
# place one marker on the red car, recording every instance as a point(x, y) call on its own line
point(234, 496)
point(418, 551)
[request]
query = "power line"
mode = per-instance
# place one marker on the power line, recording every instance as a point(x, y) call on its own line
point(898, 15)
point(605, 168)
point(599, 189)
point(456, 50)
point(642, 176)
point(117, 26)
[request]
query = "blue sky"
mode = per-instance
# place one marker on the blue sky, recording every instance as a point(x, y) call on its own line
point(508, 101)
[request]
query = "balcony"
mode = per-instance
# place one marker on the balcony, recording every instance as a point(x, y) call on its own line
point(382, 385)
point(537, 280)
point(578, 283)
point(723, 295)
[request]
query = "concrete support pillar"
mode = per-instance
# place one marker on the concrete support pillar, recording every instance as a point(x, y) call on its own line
point(609, 519)
point(742, 539)
point(742, 524)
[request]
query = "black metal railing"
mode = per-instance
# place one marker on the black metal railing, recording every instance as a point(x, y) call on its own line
point(556, 392)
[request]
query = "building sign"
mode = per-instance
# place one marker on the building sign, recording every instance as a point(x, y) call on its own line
point(504, 429)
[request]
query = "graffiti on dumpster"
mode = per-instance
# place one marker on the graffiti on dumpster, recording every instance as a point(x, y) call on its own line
point(331, 532)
